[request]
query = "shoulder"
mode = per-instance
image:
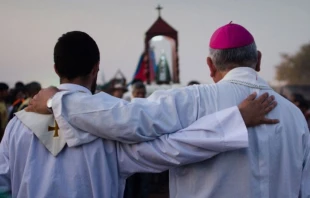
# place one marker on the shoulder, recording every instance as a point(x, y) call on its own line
point(16, 130)
point(287, 105)
point(193, 90)
point(14, 123)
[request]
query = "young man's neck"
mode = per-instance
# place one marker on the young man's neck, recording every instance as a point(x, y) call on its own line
point(77, 81)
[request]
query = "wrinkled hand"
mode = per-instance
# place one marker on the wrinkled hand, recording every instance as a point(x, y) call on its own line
point(38, 103)
point(253, 110)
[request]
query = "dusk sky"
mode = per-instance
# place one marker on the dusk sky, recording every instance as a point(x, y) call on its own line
point(30, 29)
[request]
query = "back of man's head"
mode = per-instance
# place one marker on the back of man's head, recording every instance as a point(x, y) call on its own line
point(233, 46)
point(4, 87)
point(193, 82)
point(75, 55)
point(300, 102)
point(19, 85)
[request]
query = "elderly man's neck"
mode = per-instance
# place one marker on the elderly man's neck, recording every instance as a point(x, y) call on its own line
point(222, 73)
point(78, 81)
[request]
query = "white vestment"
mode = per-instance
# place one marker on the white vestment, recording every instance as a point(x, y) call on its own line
point(276, 165)
point(93, 167)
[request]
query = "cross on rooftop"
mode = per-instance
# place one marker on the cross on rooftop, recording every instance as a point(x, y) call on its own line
point(159, 8)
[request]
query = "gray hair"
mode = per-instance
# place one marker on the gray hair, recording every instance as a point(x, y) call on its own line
point(236, 57)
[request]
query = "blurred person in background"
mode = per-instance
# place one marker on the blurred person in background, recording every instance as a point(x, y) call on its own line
point(302, 104)
point(4, 92)
point(18, 96)
point(193, 82)
point(118, 90)
point(19, 85)
point(138, 90)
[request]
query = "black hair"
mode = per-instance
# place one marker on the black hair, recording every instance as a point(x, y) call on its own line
point(3, 87)
point(19, 85)
point(138, 85)
point(75, 55)
point(193, 82)
point(302, 102)
point(33, 88)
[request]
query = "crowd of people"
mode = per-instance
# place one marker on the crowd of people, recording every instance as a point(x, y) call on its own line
point(216, 140)
point(15, 99)
point(300, 101)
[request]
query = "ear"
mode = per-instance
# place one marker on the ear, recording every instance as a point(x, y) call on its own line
point(95, 70)
point(212, 67)
point(259, 58)
point(56, 71)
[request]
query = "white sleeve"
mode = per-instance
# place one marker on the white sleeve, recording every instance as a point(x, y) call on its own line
point(5, 172)
point(140, 120)
point(203, 139)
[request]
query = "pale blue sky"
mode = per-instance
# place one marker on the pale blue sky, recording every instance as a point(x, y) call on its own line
point(29, 30)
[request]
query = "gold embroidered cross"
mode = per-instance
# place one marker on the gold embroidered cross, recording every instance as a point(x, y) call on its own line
point(55, 129)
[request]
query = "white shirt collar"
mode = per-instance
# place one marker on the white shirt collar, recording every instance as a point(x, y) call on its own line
point(246, 76)
point(74, 87)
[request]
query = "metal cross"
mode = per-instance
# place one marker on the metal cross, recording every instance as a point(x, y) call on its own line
point(159, 8)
